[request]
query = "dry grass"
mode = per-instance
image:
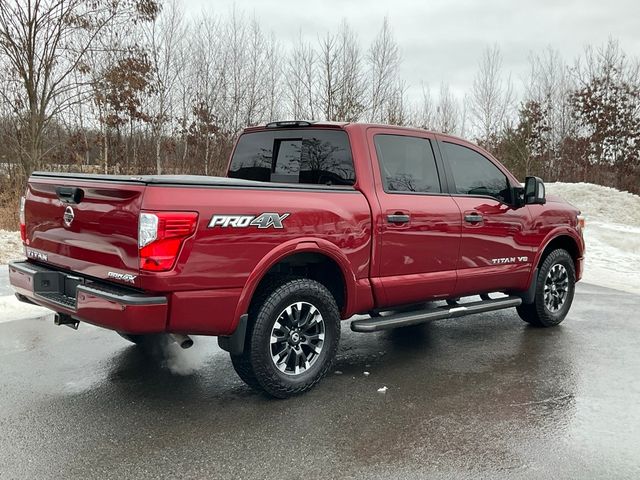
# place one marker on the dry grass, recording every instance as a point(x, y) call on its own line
point(9, 205)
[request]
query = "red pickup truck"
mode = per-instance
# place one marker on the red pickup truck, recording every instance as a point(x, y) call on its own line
point(314, 223)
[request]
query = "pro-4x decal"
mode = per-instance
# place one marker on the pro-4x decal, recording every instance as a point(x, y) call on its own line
point(264, 220)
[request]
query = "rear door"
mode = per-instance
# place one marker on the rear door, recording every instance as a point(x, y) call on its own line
point(496, 250)
point(86, 226)
point(419, 226)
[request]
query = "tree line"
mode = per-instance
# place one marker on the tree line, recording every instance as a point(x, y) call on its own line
point(136, 86)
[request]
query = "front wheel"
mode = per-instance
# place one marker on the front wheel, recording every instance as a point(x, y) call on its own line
point(555, 287)
point(293, 339)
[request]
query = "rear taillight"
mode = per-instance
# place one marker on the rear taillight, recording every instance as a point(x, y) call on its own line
point(160, 238)
point(23, 223)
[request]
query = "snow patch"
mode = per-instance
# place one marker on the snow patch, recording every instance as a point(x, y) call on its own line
point(612, 233)
point(13, 309)
point(11, 247)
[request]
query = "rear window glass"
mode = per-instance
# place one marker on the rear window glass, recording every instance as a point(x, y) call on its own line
point(321, 157)
point(407, 164)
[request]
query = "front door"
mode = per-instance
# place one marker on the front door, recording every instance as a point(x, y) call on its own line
point(419, 226)
point(496, 251)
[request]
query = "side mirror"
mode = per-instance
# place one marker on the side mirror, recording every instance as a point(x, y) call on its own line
point(534, 191)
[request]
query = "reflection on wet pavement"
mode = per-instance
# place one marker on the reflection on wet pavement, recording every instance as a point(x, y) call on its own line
point(481, 396)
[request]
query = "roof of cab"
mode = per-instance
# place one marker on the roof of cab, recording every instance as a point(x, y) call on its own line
point(289, 124)
point(295, 124)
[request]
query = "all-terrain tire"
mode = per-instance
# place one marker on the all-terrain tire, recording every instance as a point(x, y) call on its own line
point(543, 312)
point(241, 363)
point(256, 365)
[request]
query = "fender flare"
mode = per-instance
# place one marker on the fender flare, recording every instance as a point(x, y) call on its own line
point(562, 231)
point(292, 247)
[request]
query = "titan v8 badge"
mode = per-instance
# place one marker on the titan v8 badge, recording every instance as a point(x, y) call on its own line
point(500, 261)
point(264, 220)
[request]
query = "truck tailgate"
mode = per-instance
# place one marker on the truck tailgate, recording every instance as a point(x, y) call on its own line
point(86, 226)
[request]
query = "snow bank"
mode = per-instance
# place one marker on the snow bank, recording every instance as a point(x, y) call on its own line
point(612, 233)
point(10, 246)
point(12, 309)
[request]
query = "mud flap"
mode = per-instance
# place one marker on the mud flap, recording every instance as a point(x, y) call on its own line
point(529, 295)
point(234, 344)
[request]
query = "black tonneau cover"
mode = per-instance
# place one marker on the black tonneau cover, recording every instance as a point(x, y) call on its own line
point(188, 180)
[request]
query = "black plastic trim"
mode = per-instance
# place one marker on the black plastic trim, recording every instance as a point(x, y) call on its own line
point(234, 344)
point(55, 292)
point(529, 295)
point(24, 299)
point(198, 181)
point(438, 313)
point(125, 299)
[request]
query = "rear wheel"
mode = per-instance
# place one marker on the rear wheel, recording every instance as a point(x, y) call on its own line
point(292, 339)
point(555, 287)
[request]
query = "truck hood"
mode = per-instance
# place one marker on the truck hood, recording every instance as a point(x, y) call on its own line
point(561, 201)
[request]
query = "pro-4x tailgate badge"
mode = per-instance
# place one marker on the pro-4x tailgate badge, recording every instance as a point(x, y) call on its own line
point(123, 277)
point(264, 220)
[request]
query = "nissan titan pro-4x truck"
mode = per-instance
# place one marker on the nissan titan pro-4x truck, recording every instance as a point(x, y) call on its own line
point(313, 224)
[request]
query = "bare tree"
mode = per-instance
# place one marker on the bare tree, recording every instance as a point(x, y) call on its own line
point(164, 37)
point(209, 74)
point(272, 84)
point(302, 80)
point(607, 105)
point(43, 43)
point(342, 85)
point(384, 62)
point(447, 111)
point(491, 96)
point(396, 110)
point(425, 114)
point(549, 86)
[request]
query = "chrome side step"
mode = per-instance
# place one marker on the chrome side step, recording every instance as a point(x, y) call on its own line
point(438, 313)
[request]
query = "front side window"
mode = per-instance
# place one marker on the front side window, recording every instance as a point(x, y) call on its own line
point(407, 164)
point(306, 156)
point(475, 174)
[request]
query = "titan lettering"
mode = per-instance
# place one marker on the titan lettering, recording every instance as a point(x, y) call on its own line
point(262, 221)
point(43, 257)
point(500, 261)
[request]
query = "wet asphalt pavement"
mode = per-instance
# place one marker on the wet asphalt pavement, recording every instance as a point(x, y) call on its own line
point(478, 397)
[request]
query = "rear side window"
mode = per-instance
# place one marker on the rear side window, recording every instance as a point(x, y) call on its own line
point(475, 174)
point(306, 156)
point(407, 164)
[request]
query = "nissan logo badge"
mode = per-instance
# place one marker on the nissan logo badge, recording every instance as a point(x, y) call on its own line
point(68, 216)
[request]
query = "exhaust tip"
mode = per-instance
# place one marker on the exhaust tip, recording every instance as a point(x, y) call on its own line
point(183, 340)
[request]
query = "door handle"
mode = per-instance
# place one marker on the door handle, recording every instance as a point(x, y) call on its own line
point(398, 218)
point(70, 194)
point(473, 218)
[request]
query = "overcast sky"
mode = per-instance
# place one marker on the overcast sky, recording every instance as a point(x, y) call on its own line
point(443, 40)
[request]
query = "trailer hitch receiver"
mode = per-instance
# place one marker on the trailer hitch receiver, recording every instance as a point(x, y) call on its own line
point(64, 319)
